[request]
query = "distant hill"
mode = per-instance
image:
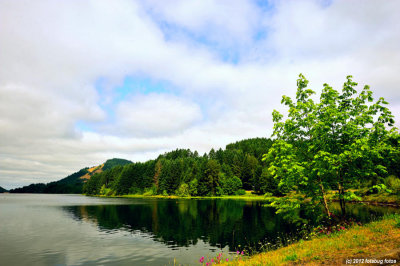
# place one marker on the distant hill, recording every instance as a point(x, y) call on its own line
point(2, 190)
point(114, 162)
point(72, 183)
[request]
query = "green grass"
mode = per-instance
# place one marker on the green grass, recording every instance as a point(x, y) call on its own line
point(291, 257)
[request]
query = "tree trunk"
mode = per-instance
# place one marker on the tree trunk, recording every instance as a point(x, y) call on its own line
point(342, 200)
point(323, 201)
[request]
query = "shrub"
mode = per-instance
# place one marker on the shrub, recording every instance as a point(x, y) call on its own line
point(230, 185)
point(150, 191)
point(379, 189)
point(393, 183)
point(183, 190)
point(240, 192)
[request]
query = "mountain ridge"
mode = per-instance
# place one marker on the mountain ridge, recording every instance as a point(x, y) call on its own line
point(72, 183)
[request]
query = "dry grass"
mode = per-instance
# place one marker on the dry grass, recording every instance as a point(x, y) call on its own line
point(92, 171)
point(358, 242)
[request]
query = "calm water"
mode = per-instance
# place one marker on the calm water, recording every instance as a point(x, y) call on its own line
point(38, 229)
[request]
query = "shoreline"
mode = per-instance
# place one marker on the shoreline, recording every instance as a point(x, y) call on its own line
point(374, 241)
point(382, 200)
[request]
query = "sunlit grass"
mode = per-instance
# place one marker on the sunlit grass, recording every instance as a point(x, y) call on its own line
point(248, 196)
point(368, 240)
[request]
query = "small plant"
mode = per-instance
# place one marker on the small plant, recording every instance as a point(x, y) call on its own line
point(379, 189)
point(329, 229)
point(291, 257)
point(219, 259)
point(393, 183)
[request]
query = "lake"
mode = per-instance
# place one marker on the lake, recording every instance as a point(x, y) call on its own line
point(46, 229)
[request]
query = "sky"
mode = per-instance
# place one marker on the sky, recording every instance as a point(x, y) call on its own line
point(85, 81)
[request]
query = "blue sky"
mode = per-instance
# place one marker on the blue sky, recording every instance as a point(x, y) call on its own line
point(93, 80)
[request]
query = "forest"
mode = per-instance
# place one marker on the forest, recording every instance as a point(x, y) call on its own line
point(182, 172)
point(231, 171)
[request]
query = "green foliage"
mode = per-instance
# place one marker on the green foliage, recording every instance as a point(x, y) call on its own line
point(393, 183)
point(351, 196)
point(193, 187)
point(114, 162)
point(269, 184)
point(150, 191)
point(230, 185)
point(32, 188)
point(183, 190)
point(379, 189)
point(331, 143)
point(240, 192)
point(211, 175)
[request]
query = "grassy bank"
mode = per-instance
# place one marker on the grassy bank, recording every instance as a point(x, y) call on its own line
point(247, 196)
point(380, 198)
point(376, 198)
point(376, 240)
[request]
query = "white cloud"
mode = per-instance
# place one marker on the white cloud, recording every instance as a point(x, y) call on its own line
point(222, 22)
point(156, 114)
point(53, 53)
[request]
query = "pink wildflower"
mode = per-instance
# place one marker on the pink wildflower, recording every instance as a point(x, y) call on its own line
point(201, 260)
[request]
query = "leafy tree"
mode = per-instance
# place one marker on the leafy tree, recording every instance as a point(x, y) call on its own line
point(230, 185)
point(211, 176)
point(330, 143)
point(114, 162)
point(269, 184)
point(193, 187)
point(249, 171)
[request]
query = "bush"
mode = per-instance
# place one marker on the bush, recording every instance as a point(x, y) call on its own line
point(183, 190)
point(379, 189)
point(393, 183)
point(230, 185)
point(240, 192)
point(150, 191)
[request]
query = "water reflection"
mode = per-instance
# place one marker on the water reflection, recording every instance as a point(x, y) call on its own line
point(180, 223)
point(220, 223)
point(78, 230)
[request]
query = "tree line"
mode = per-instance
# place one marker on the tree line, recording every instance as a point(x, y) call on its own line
point(182, 172)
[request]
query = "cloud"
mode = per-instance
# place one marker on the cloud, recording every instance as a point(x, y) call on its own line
point(226, 64)
point(156, 114)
